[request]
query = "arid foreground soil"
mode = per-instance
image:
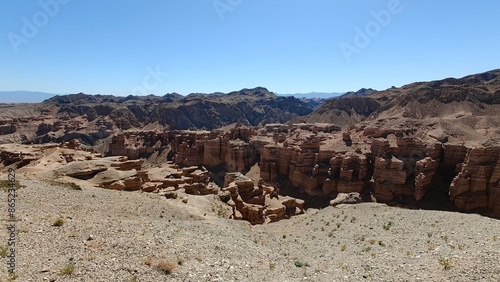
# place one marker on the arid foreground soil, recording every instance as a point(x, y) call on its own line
point(107, 235)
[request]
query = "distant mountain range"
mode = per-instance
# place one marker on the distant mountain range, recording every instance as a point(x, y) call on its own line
point(99, 116)
point(24, 96)
point(37, 97)
point(321, 95)
point(463, 104)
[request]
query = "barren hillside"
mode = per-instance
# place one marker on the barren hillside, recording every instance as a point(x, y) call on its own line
point(122, 236)
point(460, 107)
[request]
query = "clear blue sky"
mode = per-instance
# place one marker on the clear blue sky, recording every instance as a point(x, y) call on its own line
point(288, 46)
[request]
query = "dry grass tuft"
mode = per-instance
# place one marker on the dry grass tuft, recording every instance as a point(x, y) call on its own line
point(165, 266)
point(58, 222)
point(67, 269)
point(162, 265)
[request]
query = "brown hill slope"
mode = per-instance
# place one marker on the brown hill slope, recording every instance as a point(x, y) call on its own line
point(465, 108)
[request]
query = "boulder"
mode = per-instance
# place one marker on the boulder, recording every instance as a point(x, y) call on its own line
point(344, 198)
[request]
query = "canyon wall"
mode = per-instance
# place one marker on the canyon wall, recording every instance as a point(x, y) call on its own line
point(390, 165)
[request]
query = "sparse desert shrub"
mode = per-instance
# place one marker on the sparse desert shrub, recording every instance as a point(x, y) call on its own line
point(58, 222)
point(180, 261)
point(272, 266)
point(388, 225)
point(366, 267)
point(381, 244)
point(4, 185)
point(67, 269)
point(343, 248)
point(431, 246)
point(299, 263)
point(221, 211)
point(3, 251)
point(446, 263)
point(69, 185)
point(372, 241)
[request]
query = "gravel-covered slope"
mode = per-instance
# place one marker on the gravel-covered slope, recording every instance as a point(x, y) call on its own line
point(113, 236)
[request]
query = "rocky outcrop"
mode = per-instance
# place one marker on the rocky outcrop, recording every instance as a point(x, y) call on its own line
point(343, 198)
point(476, 184)
point(84, 170)
point(239, 155)
point(7, 129)
point(134, 146)
point(257, 204)
point(425, 171)
point(349, 171)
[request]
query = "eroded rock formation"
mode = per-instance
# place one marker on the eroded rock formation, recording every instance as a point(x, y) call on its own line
point(391, 165)
point(297, 164)
point(257, 203)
